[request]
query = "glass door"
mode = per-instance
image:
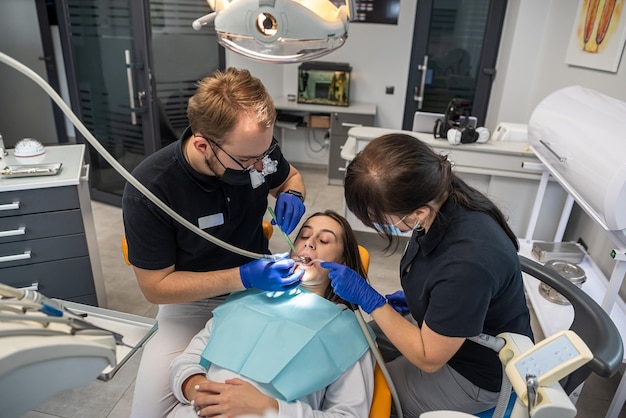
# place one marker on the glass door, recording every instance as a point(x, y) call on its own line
point(455, 46)
point(132, 65)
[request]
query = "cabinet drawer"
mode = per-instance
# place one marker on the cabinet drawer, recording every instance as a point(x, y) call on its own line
point(20, 202)
point(42, 250)
point(62, 279)
point(340, 123)
point(40, 225)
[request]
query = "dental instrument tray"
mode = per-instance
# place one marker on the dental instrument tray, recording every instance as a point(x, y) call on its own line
point(565, 251)
point(136, 330)
point(31, 170)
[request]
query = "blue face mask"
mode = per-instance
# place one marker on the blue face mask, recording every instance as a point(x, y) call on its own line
point(387, 229)
point(394, 230)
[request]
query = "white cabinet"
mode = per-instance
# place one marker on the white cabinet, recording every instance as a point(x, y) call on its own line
point(47, 233)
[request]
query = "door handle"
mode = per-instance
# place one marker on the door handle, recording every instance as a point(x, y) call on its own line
point(131, 88)
point(418, 93)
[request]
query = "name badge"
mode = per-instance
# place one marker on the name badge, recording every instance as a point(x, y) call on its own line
point(211, 221)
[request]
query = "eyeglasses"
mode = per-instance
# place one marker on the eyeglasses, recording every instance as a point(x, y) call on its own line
point(401, 220)
point(255, 160)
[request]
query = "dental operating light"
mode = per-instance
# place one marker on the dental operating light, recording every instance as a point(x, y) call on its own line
point(279, 31)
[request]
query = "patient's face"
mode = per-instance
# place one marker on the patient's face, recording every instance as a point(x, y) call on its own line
point(320, 238)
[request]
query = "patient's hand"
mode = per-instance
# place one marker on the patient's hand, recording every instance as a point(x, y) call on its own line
point(231, 399)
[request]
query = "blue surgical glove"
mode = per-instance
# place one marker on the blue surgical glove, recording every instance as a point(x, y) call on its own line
point(289, 210)
point(397, 300)
point(271, 275)
point(349, 285)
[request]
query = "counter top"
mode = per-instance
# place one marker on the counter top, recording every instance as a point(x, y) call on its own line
point(71, 156)
point(495, 147)
point(357, 108)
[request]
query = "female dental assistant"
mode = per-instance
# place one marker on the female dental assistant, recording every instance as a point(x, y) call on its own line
point(460, 273)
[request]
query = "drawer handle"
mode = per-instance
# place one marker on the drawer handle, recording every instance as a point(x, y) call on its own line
point(15, 257)
point(19, 231)
point(350, 125)
point(547, 145)
point(341, 169)
point(84, 172)
point(10, 206)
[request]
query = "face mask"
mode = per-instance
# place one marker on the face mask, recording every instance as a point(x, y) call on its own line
point(235, 177)
point(387, 229)
point(394, 230)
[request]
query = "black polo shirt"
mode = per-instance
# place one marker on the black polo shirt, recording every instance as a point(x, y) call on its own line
point(463, 278)
point(233, 214)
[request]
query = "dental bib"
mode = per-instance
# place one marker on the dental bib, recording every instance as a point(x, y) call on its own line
point(291, 343)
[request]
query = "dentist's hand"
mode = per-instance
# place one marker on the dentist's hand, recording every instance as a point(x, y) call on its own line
point(397, 300)
point(349, 285)
point(289, 210)
point(271, 275)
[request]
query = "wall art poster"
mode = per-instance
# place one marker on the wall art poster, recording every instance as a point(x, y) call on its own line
point(598, 36)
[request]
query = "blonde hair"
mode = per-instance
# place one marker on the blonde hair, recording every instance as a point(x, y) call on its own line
point(214, 109)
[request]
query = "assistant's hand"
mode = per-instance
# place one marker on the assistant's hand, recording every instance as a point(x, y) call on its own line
point(348, 284)
point(289, 210)
point(271, 275)
point(397, 300)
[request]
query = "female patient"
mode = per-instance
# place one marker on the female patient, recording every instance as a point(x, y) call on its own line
point(295, 354)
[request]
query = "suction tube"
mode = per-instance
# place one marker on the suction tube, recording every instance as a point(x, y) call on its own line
point(119, 168)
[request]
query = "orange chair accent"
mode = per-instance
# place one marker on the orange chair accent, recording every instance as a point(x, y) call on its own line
point(125, 250)
point(365, 258)
point(268, 229)
point(381, 402)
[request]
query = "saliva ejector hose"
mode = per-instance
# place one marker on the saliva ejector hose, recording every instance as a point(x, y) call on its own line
point(119, 168)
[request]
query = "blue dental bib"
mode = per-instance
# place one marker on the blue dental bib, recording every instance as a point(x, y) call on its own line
point(291, 343)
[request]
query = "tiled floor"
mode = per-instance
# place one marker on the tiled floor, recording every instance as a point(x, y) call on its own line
point(112, 399)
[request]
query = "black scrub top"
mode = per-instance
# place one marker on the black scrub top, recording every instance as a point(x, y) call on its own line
point(463, 278)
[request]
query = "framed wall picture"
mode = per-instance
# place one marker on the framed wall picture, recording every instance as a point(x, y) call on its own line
point(598, 37)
